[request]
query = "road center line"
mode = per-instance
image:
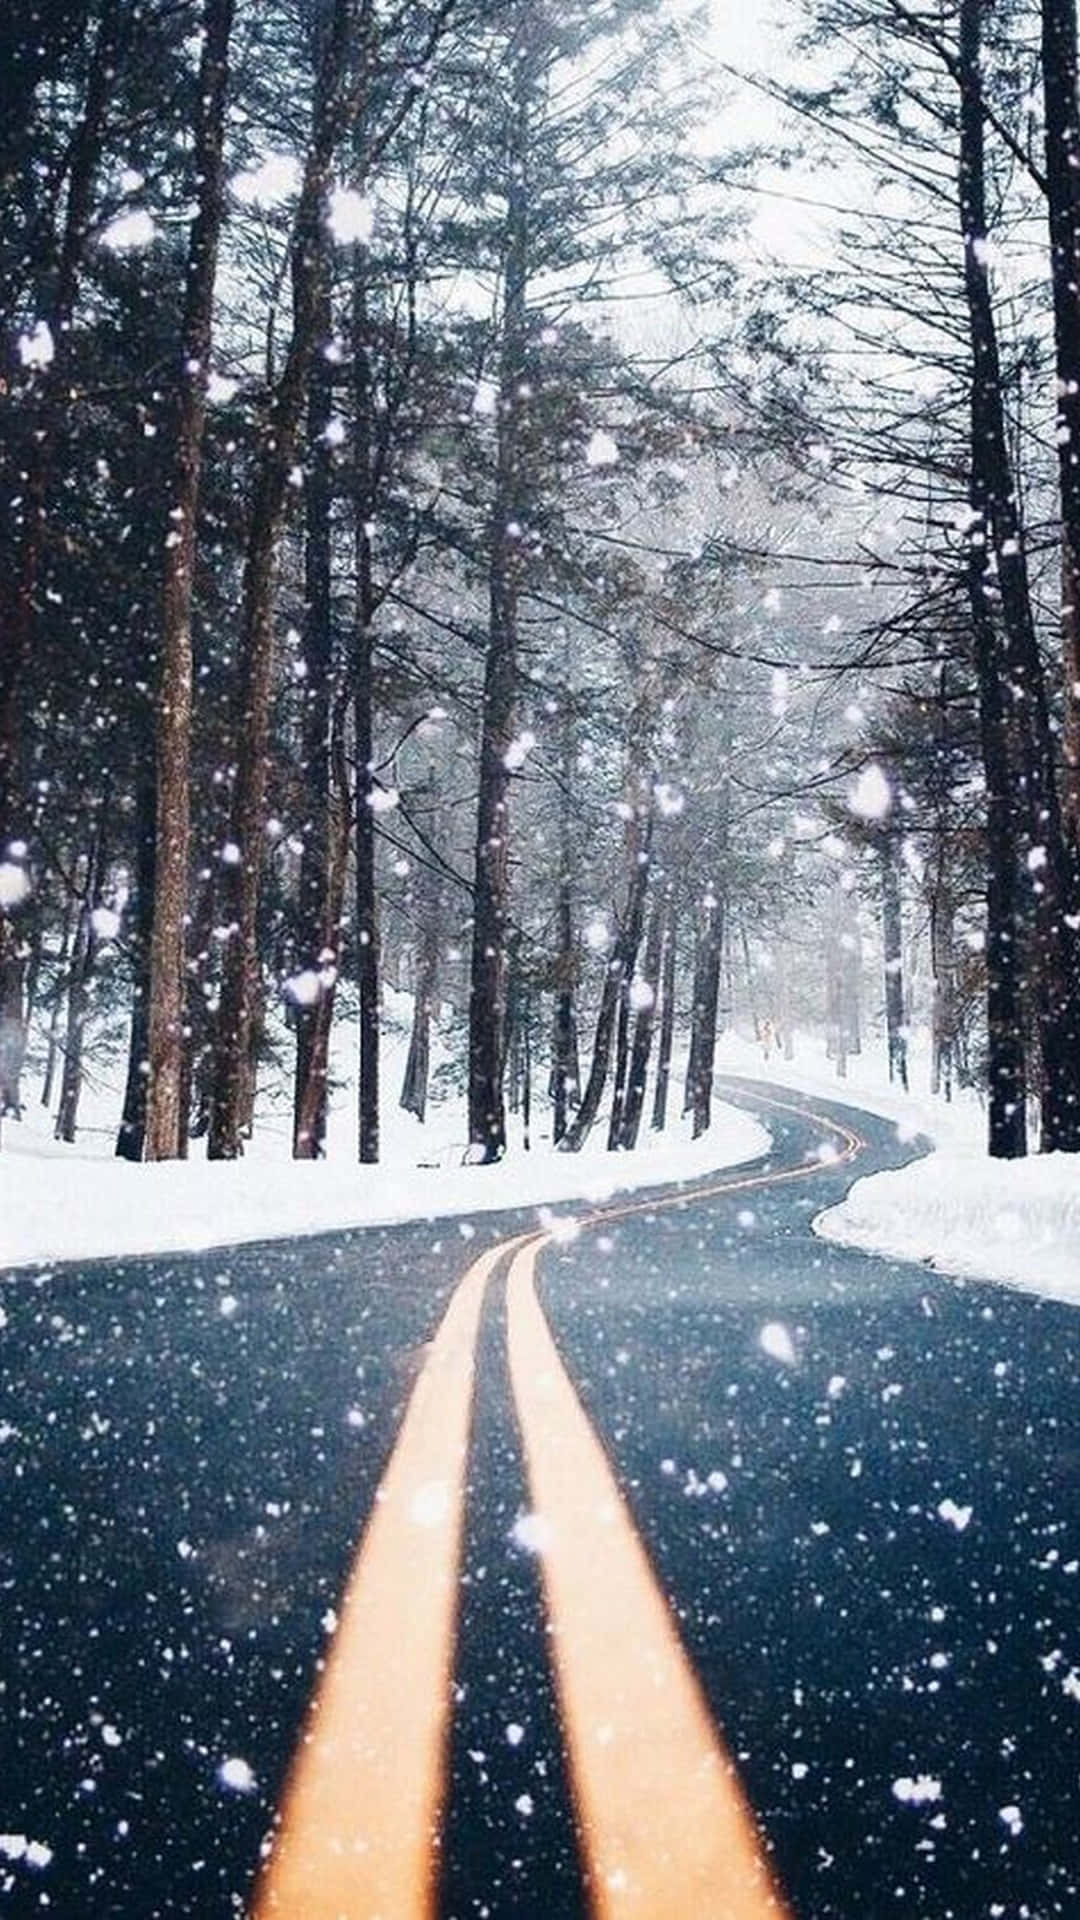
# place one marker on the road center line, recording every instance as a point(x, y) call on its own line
point(666, 1831)
point(361, 1814)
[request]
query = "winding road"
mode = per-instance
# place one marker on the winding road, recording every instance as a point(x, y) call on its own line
point(671, 1562)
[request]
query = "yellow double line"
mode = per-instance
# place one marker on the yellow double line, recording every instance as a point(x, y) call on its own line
point(665, 1830)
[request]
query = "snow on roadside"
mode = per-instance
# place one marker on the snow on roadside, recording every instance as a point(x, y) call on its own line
point(1016, 1222)
point(67, 1208)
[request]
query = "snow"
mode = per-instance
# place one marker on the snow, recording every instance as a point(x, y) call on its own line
point(351, 218)
point(871, 797)
point(601, 450)
point(129, 231)
point(78, 1202)
point(17, 1846)
point(237, 1775)
point(954, 1515)
point(775, 1340)
point(1016, 1222)
point(37, 349)
point(920, 1791)
point(14, 883)
point(275, 179)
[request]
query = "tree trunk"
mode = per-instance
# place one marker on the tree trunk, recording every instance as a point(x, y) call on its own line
point(1062, 119)
point(703, 1018)
point(943, 963)
point(165, 1012)
point(491, 884)
point(425, 990)
point(241, 871)
point(310, 957)
point(198, 1058)
point(614, 999)
point(643, 1030)
point(751, 991)
point(995, 524)
point(79, 977)
point(25, 514)
point(892, 941)
point(667, 1017)
point(131, 1136)
point(71, 917)
point(565, 1071)
point(367, 905)
point(312, 1093)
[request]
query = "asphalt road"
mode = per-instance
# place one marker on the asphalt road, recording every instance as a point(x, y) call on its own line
point(856, 1481)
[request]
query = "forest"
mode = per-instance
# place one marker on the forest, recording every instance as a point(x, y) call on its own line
point(523, 521)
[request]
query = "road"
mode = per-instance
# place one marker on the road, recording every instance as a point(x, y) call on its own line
point(812, 1646)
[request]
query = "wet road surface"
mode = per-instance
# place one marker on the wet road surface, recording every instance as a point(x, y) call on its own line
point(855, 1481)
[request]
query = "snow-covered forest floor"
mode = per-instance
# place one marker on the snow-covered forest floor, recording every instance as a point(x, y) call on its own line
point(1016, 1222)
point(74, 1202)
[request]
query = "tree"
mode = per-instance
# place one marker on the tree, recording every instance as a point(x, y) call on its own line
point(165, 1034)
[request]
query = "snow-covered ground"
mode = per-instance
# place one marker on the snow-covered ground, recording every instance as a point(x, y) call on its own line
point(1017, 1222)
point(77, 1202)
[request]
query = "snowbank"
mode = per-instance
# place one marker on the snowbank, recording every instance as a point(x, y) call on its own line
point(1016, 1221)
point(60, 1205)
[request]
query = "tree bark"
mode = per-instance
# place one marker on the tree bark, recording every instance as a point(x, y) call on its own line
point(165, 1013)
point(241, 872)
point(1011, 682)
point(643, 1031)
point(667, 1017)
point(310, 956)
point(414, 1088)
point(26, 517)
point(995, 524)
point(892, 941)
point(367, 903)
point(1062, 120)
point(614, 998)
point(943, 965)
point(565, 1070)
point(130, 1139)
point(313, 1060)
point(491, 885)
point(71, 920)
point(79, 977)
point(703, 1018)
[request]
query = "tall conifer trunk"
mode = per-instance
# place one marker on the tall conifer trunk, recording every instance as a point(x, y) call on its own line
point(241, 872)
point(165, 1014)
point(1008, 655)
point(25, 517)
point(1062, 117)
point(491, 884)
point(314, 956)
point(367, 905)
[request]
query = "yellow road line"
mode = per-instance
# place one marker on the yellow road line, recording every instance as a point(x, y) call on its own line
point(666, 1831)
point(358, 1837)
point(853, 1144)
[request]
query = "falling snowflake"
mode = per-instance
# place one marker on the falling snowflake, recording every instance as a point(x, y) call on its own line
point(871, 797)
point(601, 450)
point(351, 218)
point(129, 231)
point(236, 1774)
point(37, 348)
